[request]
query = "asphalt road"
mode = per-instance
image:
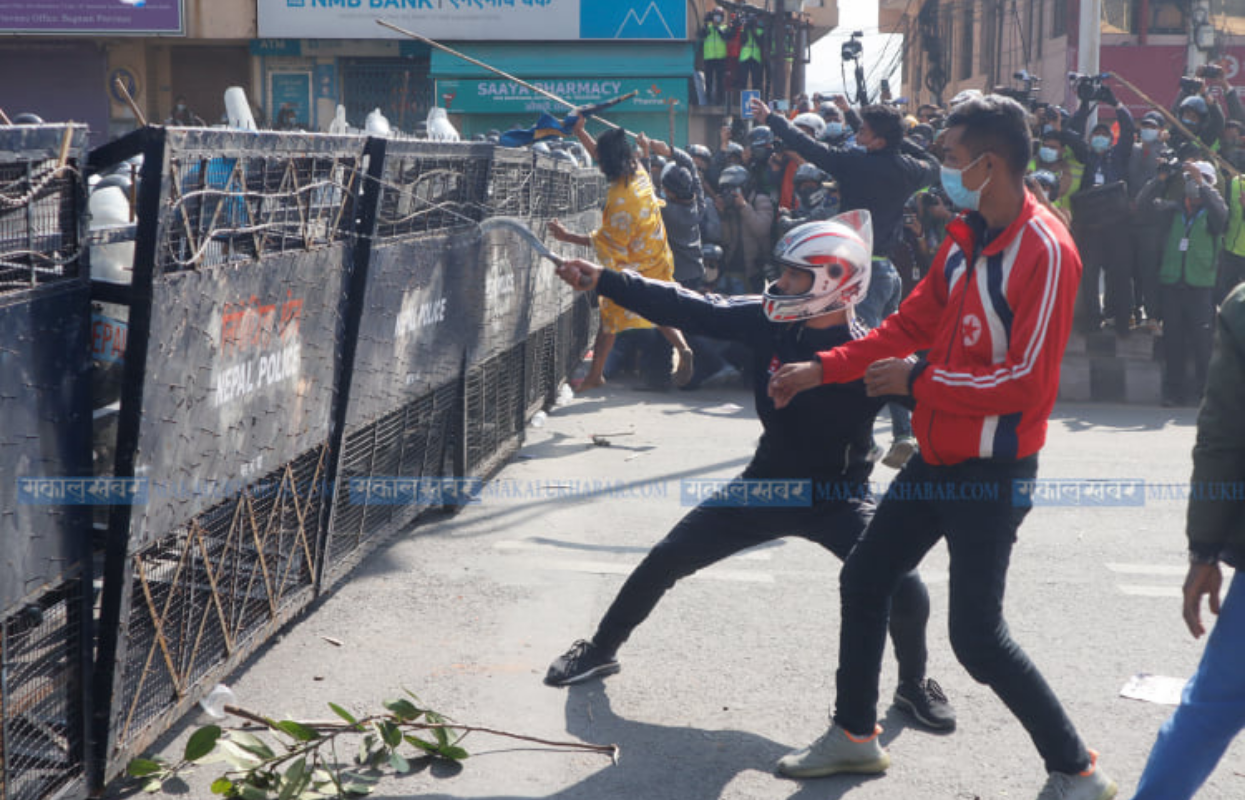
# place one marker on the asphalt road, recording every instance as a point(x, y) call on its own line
point(736, 666)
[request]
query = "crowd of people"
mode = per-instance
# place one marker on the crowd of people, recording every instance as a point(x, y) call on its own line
point(845, 260)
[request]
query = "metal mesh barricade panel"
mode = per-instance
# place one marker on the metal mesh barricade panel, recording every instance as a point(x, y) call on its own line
point(233, 202)
point(511, 183)
point(542, 370)
point(41, 203)
point(430, 187)
point(554, 194)
point(203, 596)
point(494, 409)
point(42, 697)
point(413, 442)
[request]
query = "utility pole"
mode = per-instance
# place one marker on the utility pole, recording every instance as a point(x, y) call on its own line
point(1089, 45)
point(778, 84)
point(1201, 35)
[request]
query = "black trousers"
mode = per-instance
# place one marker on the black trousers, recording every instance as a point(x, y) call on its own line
point(715, 80)
point(1147, 250)
point(1106, 250)
point(1188, 333)
point(751, 75)
point(709, 534)
point(971, 505)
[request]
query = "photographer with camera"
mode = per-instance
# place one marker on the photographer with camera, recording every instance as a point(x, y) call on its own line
point(1187, 273)
point(1149, 227)
point(747, 224)
point(714, 36)
point(1054, 157)
point(1197, 110)
point(1100, 212)
point(749, 26)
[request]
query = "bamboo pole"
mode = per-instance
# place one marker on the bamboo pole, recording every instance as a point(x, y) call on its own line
point(138, 114)
point(529, 86)
point(1180, 126)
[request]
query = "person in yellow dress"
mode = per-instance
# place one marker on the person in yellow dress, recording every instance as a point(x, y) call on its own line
point(631, 236)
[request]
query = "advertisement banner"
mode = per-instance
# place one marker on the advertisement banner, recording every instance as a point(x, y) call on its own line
point(476, 20)
point(506, 97)
point(91, 16)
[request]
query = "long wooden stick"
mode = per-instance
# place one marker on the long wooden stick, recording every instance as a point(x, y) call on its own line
point(1180, 126)
point(138, 114)
point(4, 118)
point(494, 70)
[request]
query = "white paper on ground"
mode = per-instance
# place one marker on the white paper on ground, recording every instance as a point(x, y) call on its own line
point(1154, 689)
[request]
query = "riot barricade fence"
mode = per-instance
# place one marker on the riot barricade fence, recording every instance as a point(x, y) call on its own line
point(45, 450)
point(222, 383)
point(242, 247)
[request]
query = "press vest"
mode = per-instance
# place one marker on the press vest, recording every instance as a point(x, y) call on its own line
point(1195, 265)
point(715, 43)
point(751, 50)
point(1234, 239)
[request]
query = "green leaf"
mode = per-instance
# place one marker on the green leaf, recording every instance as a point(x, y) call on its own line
point(453, 752)
point(296, 779)
point(344, 714)
point(399, 764)
point(202, 742)
point(221, 786)
point(142, 767)
point(237, 757)
point(298, 730)
point(252, 744)
point(403, 709)
point(443, 735)
point(248, 792)
point(153, 786)
point(357, 788)
point(415, 741)
point(391, 733)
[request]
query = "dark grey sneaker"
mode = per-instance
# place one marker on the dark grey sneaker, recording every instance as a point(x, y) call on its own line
point(926, 702)
point(583, 661)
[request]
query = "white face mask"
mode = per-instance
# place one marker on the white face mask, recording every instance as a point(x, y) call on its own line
point(1149, 135)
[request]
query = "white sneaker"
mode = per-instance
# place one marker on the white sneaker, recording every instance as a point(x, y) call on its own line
point(901, 450)
point(1088, 785)
point(837, 751)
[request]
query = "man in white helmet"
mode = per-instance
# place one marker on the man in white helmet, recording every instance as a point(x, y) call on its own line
point(820, 442)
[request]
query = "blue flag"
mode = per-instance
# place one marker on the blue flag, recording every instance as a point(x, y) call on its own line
point(547, 127)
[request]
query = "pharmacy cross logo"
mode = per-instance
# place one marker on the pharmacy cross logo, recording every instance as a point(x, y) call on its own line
point(972, 330)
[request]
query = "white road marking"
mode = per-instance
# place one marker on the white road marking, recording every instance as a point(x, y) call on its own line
point(1151, 591)
point(1172, 570)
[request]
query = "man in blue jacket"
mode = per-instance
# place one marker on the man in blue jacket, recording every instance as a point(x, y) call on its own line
point(821, 440)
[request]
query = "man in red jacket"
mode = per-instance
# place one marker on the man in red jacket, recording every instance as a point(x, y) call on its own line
point(994, 312)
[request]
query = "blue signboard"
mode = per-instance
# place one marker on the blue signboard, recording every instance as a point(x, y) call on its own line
point(326, 81)
point(633, 19)
point(745, 102)
point(291, 93)
point(276, 47)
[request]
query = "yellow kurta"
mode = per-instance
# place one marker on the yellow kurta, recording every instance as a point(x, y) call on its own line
point(632, 236)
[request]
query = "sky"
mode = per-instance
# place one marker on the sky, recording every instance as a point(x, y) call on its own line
point(825, 74)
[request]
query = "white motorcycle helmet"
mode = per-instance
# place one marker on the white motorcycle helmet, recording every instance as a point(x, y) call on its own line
point(810, 123)
point(837, 253)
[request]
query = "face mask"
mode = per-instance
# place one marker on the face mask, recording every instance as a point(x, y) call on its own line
point(1188, 123)
point(1048, 154)
point(1149, 135)
point(953, 184)
point(1048, 129)
point(1100, 143)
point(181, 106)
point(834, 129)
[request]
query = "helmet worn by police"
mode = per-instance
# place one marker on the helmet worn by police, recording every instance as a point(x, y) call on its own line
point(761, 136)
point(542, 148)
point(836, 253)
point(732, 178)
point(809, 172)
point(711, 252)
point(677, 181)
point(700, 151)
point(1049, 182)
point(734, 150)
point(1195, 103)
point(812, 124)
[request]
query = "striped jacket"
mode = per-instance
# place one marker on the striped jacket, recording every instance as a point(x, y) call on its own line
point(995, 320)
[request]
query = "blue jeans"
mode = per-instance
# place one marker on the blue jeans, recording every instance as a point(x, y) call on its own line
point(882, 300)
point(1211, 712)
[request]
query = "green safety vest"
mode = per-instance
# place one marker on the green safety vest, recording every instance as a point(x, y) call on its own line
point(715, 44)
point(1234, 239)
point(1196, 265)
point(751, 50)
point(1064, 203)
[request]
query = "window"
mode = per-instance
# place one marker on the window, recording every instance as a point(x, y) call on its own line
point(1228, 16)
point(1120, 16)
point(966, 45)
point(1168, 16)
point(1059, 19)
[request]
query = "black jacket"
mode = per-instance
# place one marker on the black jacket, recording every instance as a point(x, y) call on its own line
point(825, 433)
point(880, 181)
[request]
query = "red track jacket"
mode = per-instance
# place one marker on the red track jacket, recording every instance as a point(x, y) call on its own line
point(995, 331)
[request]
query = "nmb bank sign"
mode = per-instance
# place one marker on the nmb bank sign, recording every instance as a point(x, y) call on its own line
point(476, 20)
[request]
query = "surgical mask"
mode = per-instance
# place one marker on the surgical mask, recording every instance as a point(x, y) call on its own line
point(1100, 143)
point(1047, 129)
point(953, 185)
point(1188, 123)
point(1048, 154)
point(1149, 135)
point(834, 129)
